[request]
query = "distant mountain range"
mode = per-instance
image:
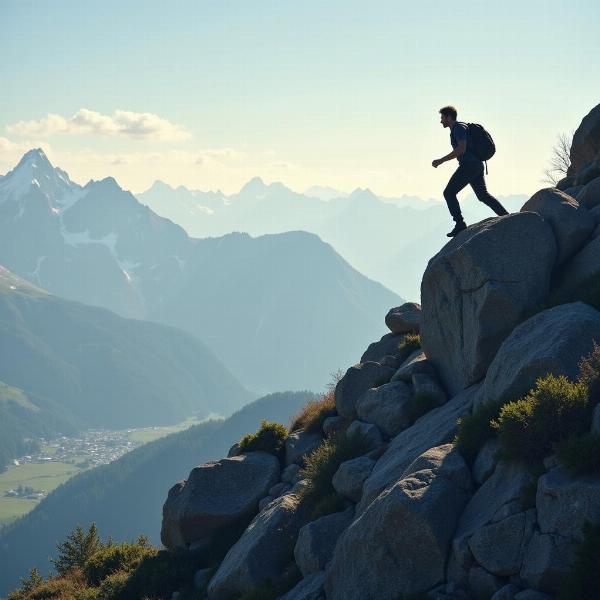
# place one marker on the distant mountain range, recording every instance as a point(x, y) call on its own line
point(275, 309)
point(66, 366)
point(387, 239)
point(125, 497)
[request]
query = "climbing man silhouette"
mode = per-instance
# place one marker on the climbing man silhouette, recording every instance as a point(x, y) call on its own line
point(470, 170)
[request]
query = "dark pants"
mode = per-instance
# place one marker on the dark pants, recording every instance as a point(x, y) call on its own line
point(470, 172)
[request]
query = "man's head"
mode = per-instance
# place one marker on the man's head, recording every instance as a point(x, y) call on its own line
point(448, 117)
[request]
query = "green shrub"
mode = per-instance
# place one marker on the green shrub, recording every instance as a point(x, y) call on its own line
point(475, 429)
point(114, 586)
point(589, 373)
point(117, 557)
point(270, 437)
point(314, 412)
point(421, 404)
point(323, 462)
point(530, 427)
point(327, 505)
point(584, 579)
point(77, 548)
point(408, 344)
point(70, 586)
point(580, 454)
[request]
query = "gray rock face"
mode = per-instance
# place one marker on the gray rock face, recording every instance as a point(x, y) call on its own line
point(416, 363)
point(486, 461)
point(435, 428)
point(565, 503)
point(586, 141)
point(349, 478)
point(371, 559)
point(584, 265)
point(332, 425)
point(508, 592)
point(386, 346)
point(356, 382)
point(497, 498)
point(405, 318)
point(216, 494)
point(299, 444)
point(500, 547)
point(310, 588)
point(368, 431)
point(571, 224)
point(262, 551)
point(426, 386)
point(387, 406)
point(483, 585)
point(553, 341)
point(547, 561)
point(317, 540)
point(532, 595)
point(264, 502)
point(289, 473)
point(589, 196)
point(279, 488)
point(477, 288)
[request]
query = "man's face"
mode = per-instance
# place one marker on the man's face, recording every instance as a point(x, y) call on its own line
point(445, 120)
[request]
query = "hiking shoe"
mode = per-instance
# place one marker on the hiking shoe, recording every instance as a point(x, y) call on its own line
point(461, 226)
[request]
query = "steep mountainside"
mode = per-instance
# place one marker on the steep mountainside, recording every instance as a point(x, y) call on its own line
point(125, 497)
point(82, 366)
point(97, 244)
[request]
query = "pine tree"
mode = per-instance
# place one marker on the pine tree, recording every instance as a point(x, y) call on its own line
point(76, 550)
point(32, 581)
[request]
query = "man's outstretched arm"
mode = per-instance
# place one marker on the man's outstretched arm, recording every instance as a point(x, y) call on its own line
point(458, 151)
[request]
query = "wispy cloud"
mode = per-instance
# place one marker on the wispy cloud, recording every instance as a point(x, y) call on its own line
point(141, 126)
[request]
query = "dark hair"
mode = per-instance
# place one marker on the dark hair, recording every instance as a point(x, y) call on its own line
point(448, 111)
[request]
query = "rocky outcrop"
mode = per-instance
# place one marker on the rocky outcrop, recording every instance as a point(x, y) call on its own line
point(435, 428)
point(552, 341)
point(262, 553)
point(477, 288)
point(299, 444)
point(589, 195)
point(387, 406)
point(404, 319)
point(424, 506)
point(216, 494)
point(357, 380)
point(349, 478)
point(586, 141)
point(584, 265)
point(571, 224)
point(317, 540)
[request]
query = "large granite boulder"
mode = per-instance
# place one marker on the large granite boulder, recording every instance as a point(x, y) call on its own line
point(405, 318)
point(386, 346)
point(552, 341)
point(572, 224)
point(477, 288)
point(387, 406)
point(565, 503)
point(415, 364)
point(548, 561)
point(399, 545)
point(217, 494)
point(433, 429)
point(584, 265)
point(299, 444)
point(589, 196)
point(497, 499)
point(349, 478)
point(262, 553)
point(586, 141)
point(310, 588)
point(500, 547)
point(317, 540)
point(357, 380)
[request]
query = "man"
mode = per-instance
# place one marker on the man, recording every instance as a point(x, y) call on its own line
point(470, 171)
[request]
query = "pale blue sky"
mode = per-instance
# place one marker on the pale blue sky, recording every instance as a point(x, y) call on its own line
point(332, 93)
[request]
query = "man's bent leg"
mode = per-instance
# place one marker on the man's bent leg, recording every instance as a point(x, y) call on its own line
point(458, 181)
point(480, 189)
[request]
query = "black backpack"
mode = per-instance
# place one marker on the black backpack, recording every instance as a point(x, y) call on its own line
point(481, 142)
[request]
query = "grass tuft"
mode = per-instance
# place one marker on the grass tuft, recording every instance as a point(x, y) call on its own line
point(270, 437)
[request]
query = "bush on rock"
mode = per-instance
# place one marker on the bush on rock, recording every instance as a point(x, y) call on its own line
point(556, 408)
point(270, 437)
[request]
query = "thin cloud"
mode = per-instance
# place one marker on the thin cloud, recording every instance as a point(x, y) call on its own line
point(141, 126)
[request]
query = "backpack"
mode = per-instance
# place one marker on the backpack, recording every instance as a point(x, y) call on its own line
point(481, 142)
